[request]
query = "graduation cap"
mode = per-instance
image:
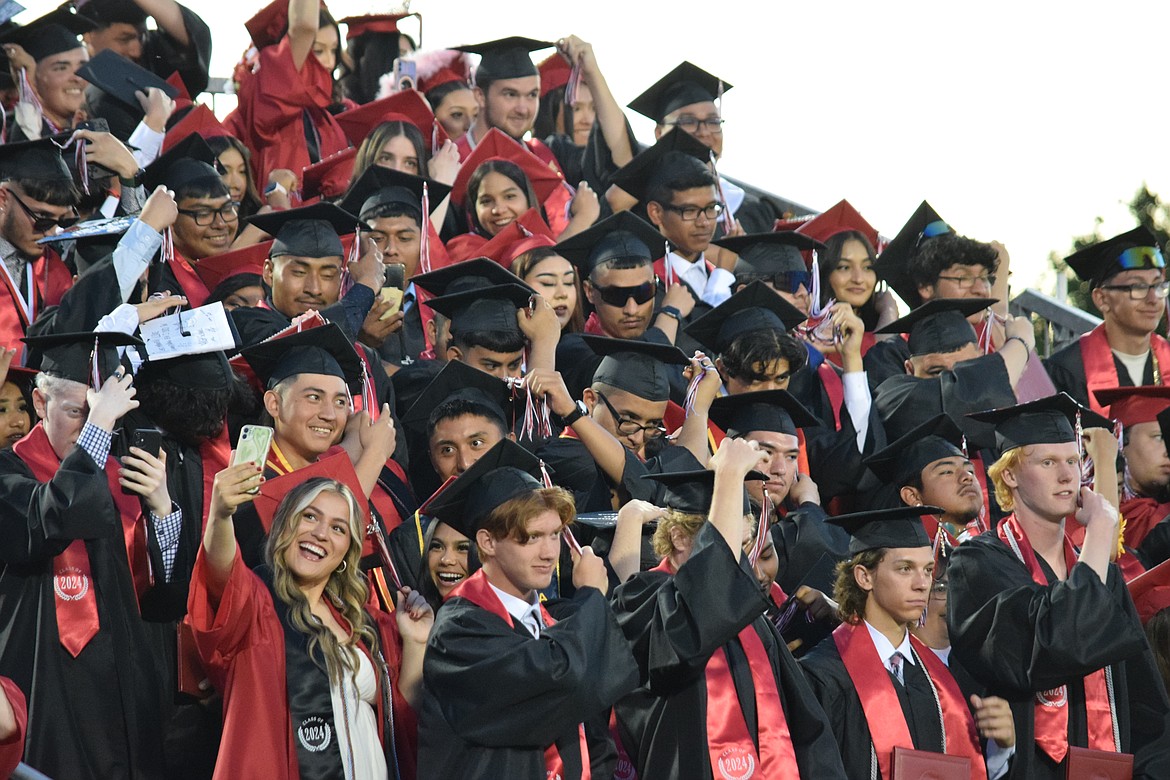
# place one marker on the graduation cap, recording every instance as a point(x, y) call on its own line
point(75, 356)
point(473, 274)
point(635, 367)
point(380, 186)
point(268, 24)
point(1048, 420)
point(371, 23)
point(755, 307)
point(902, 460)
point(186, 162)
point(893, 264)
point(554, 73)
point(330, 177)
point(505, 58)
point(460, 382)
point(765, 410)
point(876, 528)
point(485, 308)
point(635, 176)
point(621, 236)
point(39, 160)
point(107, 12)
point(518, 237)
point(497, 145)
point(1150, 591)
point(216, 269)
point(444, 75)
point(198, 121)
point(504, 472)
point(324, 350)
point(838, 218)
point(1134, 250)
point(685, 85)
point(53, 33)
point(939, 325)
point(309, 231)
point(1133, 405)
point(336, 467)
point(120, 78)
point(22, 377)
point(206, 371)
point(771, 253)
point(406, 106)
point(690, 492)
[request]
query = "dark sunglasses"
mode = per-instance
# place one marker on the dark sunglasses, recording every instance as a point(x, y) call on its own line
point(40, 222)
point(617, 296)
point(792, 281)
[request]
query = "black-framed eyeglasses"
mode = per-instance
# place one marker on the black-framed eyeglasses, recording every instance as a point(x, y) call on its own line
point(42, 223)
point(228, 212)
point(691, 213)
point(628, 427)
point(967, 282)
point(617, 296)
point(692, 124)
point(1138, 292)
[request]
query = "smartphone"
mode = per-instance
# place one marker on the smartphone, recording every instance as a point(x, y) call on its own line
point(393, 287)
point(255, 440)
point(405, 74)
point(147, 439)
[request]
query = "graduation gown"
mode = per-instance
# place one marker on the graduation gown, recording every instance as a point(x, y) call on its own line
point(1017, 638)
point(675, 624)
point(50, 279)
point(495, 698)
point(1066, 369)
point(801, 537)
point(12, 749)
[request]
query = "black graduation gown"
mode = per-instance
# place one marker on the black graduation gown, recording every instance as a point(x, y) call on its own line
point(1066, 369)
point(494, 698)
point(404, 347)
point(1017, 637)
point(834, 688)
point(99, 715)
point(886, 358)
point(94, 294)
point(801, 537)
point(675, 624)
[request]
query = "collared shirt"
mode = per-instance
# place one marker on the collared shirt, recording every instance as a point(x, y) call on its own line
point(713, 288)
point(885, 649)
point(527, 612)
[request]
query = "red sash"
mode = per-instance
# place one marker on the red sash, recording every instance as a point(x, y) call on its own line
point(51, 278)
point(729, 745)
point(868, 339)
point(216, 454)
point(834, 388)
point(1101, 371)
point(883, 712)
point(1141, 515)
point(193, 287)
point(478, 591)
point(1051, 706)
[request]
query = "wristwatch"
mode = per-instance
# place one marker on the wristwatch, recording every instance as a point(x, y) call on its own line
point(671, 311)
point(580, 411)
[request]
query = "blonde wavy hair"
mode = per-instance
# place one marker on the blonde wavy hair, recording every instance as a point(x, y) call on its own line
point(1003, 493)
point(346, 589)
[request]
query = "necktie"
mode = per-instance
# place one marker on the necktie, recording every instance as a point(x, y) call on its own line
point(533, 622)
point(896, 666)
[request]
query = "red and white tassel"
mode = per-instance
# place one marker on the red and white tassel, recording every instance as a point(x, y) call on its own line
point(727, 219)
point(761, 539)
point(570, 540)
point(819, 325)
point(424, 251)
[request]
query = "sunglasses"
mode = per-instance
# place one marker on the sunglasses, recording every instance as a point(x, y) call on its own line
point(1139, 257)
point(617, 296)
point(40, 222)
point(792, 281)
point(936, 228)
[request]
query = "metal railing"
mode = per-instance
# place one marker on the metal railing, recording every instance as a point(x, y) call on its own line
point(1059, 322)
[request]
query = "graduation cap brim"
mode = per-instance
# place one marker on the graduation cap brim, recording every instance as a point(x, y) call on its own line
point(496, 145)
point(55, 32)
point(604, 346)
point(838, 218)
point(763, 410)
point(690, 492)
point(268, 24)
point(1049, 420)
point(554, 72)
point(120, 78)
point(939, 325)
point(486, 308)
point(900, 527)
point(504, 472)
point(70, 355)
point(39, 159)
point(519, 236)
point(741, 244)
point(622, 236)
point(458, 380)
point(306, 231)
point(756, 307)
point(371, 23)
point(937, 438)
point(246, 260)
point(205, 371)
point(198, 121)
point(330, 177)
point(1099, 261)
point(640, 368)
point(1150, 591)
point(635, 176)
point(506, 58)
point(388, 186)
point(686, 85)
point(408, 105)
point(178, 165)
point(893, 264)
point(277, 359)
point(336, 467)
point(442, 280)
point(1133, 405)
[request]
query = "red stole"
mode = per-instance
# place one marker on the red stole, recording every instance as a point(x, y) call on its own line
point(478, 591)
point(1101, 371)
point(556, 205)
point(593, 325)
point(868, 339)
point(729, 745)
point(661, 270)
point(1051, 706)
point(834, 388)
point(51, 278)
point(74, 595)
point(215, 455)
point(193, 287)
point(883, 712)
point(1141, 515)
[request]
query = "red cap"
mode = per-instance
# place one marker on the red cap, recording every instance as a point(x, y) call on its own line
point(780, 225)
point(1151, 591)
point(496, 145)
point(176, 81)
point(554, 72)
point(268, 24)
point(441, 77)
point(373, 23)
point(407, 106)
point(528, 232)
point(330, 177)
point(198, 120)
point(337, 467)
point(245, 260)
point(1132, 405)
point(837, 219)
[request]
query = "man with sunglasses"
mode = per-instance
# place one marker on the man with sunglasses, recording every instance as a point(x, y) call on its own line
point(1127, 277)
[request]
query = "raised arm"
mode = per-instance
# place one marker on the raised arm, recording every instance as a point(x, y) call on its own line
point(228, 493)
point(302, 29)
point(610, 119)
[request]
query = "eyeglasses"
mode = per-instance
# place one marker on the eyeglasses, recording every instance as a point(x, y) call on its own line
point(1140, 257)
point(628, 427)
point(1138, 292)
point(967, 282)
point(617, 296)
point(204, 217)
point(936, 228)
point(692, 124)
point(43, 222)
point(691, 213)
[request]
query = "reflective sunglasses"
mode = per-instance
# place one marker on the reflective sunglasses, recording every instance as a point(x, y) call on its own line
point(1139, 257)
point(617, 296)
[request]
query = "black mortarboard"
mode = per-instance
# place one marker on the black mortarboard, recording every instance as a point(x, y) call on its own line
point(71, 355)
point(690, 492)
point(322, 350)
point(1049, 420)
point(764, 410)
point(771, 253)
point(1096, 263)
point(207, 371)
point(460, 382)
point(635, 176)
point(636, 367)
point(683, 86)
point(506, 58)
point(893, 264)
point(39, 160)
point(51, 34)
point(876, 528)
point(468, 275)
point(189, 161)
point(622, 236)
point(902, 460)
point(755, 307)
point(504, 472)
point(309, 231)
point(380, 186)
point(484, 309)
point(939, 325)
point(120, 78)
point(114, 12)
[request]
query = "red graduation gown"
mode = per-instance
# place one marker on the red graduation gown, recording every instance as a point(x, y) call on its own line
point(12, 749)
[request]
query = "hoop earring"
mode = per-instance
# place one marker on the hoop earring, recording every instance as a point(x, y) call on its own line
point(344, 565)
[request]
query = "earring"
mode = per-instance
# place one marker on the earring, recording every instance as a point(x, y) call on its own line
point(344, 565)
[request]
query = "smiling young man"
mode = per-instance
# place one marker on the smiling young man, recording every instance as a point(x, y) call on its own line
point(1021, 596)
point(1127, 277)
